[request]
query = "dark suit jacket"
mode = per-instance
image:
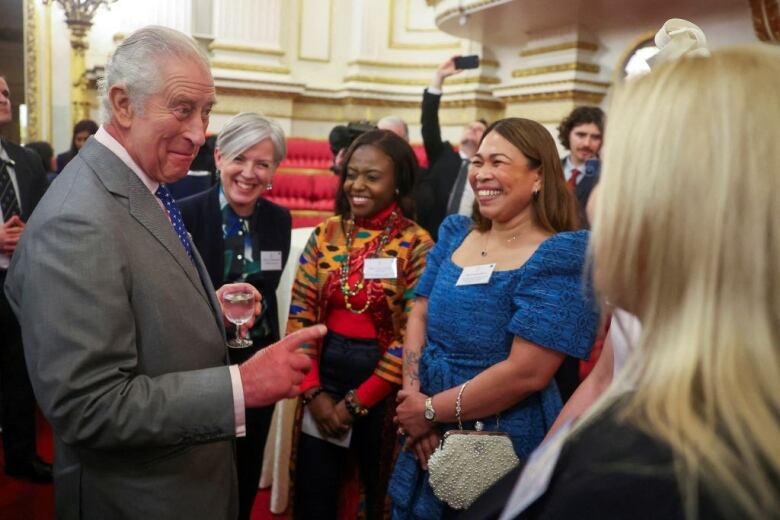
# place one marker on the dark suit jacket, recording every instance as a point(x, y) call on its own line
point(272, 225)
point(609, 470)
point(433, 188)
point(63, 159)
point(30, 177)
point(584, 187)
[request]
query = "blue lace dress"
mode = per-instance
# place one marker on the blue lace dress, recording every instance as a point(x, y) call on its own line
point(471, 328)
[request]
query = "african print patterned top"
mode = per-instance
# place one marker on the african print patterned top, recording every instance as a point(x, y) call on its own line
point(317, 280)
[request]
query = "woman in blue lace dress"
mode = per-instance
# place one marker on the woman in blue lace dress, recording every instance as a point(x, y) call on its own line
point(501, 303)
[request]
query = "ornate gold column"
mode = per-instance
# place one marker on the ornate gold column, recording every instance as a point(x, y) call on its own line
point(78, 17)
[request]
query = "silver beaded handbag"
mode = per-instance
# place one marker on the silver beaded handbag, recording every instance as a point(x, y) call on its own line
point(468, 462)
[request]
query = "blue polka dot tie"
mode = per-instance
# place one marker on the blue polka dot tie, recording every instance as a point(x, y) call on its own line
point(175, 215)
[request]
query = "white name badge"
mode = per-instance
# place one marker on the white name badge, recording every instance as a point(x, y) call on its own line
point(475, 274)
point(536, 474)
point(270, 260)
point(375, 268)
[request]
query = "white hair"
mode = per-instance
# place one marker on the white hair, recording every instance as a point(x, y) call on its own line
point(137, 64)
point(396, 122)
point(246, 130)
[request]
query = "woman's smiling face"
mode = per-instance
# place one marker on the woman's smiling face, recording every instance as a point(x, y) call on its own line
point(245, 177)
point(369, 183)
point(501, 178)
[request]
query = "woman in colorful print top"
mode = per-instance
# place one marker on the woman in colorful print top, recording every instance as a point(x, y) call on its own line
point(357, 275)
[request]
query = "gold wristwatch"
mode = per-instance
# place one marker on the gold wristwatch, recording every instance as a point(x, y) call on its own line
point(430, 413)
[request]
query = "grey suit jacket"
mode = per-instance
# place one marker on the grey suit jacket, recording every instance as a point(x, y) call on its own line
point(125, 347)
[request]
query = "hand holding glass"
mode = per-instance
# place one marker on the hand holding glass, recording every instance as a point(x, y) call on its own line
point(239, 307)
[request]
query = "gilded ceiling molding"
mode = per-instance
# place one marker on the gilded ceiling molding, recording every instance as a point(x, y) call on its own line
point(31, 90)
point(766, 19)
point(218, 46)
point(406, 65)
point(547, 49)
point(564, 95)
point(602, 84)
point(356, 100)
point(421, 82)
point(473, 103)
point(251, 92)
point(459, 80)
point(249, 67)
point(395, 103)
point(465, 8)
point(394, 64)
point(561, 67)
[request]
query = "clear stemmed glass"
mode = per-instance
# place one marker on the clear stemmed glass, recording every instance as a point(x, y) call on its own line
point(239, 307)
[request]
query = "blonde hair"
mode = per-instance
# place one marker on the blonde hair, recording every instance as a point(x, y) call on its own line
point(687, 236)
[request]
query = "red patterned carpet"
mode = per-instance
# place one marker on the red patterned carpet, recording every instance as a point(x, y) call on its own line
point(22, 500)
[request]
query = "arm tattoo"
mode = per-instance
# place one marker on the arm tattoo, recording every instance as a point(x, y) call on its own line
point(411, 365)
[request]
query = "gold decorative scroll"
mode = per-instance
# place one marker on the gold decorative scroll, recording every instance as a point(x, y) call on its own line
point(583, 46)
point(562, 67)
point(766, 19)
point(31, 91)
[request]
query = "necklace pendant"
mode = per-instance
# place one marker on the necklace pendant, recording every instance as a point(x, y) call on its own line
point(483, 253)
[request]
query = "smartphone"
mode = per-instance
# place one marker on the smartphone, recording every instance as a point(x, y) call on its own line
point(467, 62)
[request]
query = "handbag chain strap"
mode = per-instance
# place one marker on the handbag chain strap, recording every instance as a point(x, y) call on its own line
point(458, 409)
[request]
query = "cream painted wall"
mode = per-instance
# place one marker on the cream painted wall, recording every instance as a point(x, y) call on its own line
point(312, 64)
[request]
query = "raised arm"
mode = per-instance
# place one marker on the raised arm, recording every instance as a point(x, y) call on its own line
point(429, 118)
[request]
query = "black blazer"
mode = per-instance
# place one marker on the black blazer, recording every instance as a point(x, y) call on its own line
point(585, 187)
point(30, 177)
point(609, 470)
point(432, 191)
point(272, 225)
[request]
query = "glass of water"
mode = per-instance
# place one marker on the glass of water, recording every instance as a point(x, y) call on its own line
point(239, 307)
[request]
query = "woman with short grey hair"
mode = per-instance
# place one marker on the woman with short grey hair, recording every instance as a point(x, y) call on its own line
point(243, 237)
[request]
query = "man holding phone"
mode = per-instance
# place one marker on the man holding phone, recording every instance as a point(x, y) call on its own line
point(445, 190)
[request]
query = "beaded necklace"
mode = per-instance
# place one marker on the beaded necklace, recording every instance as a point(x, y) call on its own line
point(344, 271)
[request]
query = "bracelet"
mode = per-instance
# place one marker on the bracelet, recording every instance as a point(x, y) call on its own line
point(354, 407)
point(307, 399)
point(457, 403)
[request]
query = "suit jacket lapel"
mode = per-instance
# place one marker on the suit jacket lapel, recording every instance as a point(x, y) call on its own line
point(210, 292)
point(120, 180)
point(23, 177)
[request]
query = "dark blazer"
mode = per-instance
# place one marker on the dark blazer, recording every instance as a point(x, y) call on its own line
point(609, 470)
point(17, 399)
point(63, 159)
point(432, 191)
point(585, 187)
point(273, 225)
point(30, 177)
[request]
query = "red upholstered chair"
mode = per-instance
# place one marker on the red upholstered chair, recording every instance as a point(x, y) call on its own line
point(305, 185)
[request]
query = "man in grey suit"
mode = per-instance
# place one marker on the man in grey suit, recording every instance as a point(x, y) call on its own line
point(122, 330)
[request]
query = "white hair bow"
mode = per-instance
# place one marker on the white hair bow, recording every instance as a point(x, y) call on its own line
point(677, 38)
